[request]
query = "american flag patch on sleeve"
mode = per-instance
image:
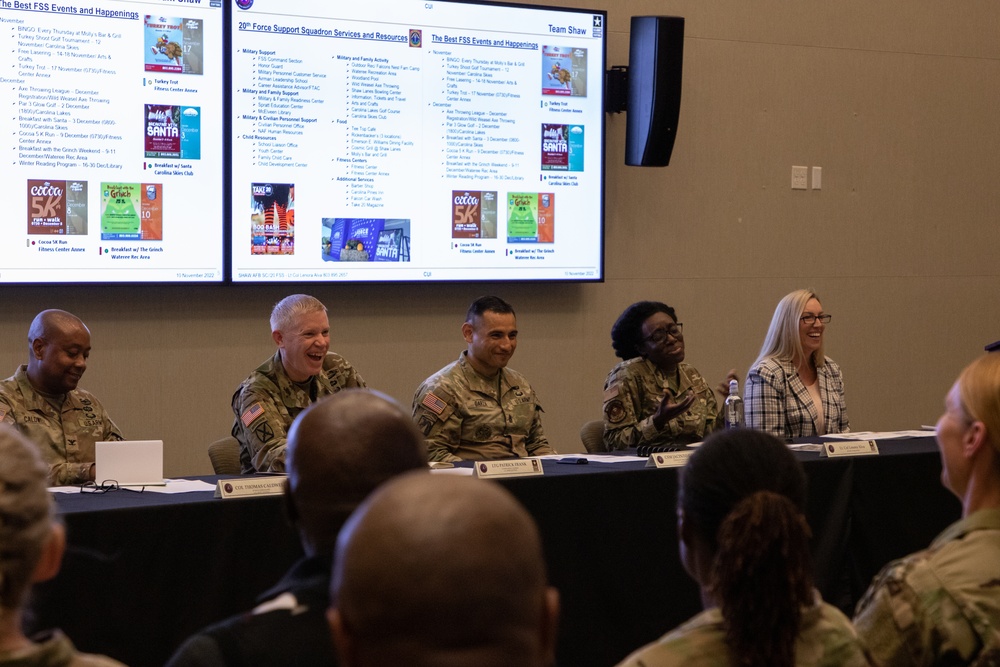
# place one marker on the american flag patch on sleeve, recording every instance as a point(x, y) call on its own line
point(251, 413)
point(433, 403)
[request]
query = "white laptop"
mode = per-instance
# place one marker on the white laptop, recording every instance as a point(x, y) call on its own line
point(130, 462)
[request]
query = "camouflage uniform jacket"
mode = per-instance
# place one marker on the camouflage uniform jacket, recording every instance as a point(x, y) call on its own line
point(65, 436)
point(54, 649)
point(632, 393)
point(464, 415)
point(826, 639)
point(268, 402)
point(939, 606)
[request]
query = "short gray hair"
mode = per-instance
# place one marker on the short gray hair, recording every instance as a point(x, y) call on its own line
point(291, 307)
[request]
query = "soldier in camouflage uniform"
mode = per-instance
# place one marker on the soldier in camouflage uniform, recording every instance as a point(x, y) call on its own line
point(476, 408)
point(745, 540)
point(42, 400)
point(941, 606)
point(825, 639)
point(302, 371)
point(652, 397)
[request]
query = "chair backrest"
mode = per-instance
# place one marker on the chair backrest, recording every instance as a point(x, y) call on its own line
point(592, 435)
point(225, 456)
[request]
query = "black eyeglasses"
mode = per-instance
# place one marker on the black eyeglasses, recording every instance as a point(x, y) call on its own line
point(660, 335)
point(811, 319)
point(107, 485)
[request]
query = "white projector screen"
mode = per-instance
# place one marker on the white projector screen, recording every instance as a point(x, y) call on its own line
point(416, 140)
point(112, 141)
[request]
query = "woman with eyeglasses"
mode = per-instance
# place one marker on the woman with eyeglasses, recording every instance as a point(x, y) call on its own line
point(652, 397)
point(793, 389)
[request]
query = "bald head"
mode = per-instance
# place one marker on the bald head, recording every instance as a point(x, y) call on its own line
point(339, 450)
point(441, 570)
point(58, 348)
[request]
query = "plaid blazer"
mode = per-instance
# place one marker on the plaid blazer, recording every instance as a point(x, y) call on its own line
point(778, 402)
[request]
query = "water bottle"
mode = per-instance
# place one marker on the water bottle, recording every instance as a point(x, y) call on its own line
point(733, 408)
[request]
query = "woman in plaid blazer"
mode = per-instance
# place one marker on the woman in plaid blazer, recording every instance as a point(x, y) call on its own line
point(793, 389)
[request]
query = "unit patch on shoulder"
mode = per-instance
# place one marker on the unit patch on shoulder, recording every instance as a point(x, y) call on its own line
point(614, 411)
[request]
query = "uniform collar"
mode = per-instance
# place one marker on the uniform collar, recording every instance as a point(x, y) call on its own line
point(35, 400)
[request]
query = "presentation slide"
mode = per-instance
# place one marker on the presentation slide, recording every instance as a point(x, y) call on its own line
point(111, 142)
point(416, 140)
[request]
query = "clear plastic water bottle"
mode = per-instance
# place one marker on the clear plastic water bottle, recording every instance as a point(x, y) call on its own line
point(733, 408)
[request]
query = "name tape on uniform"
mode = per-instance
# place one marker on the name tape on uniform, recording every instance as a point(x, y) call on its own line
point(850, 448)
point(668, 459)
point(250, 486)
point(509, 468)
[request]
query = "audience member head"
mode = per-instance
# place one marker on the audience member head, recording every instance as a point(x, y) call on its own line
point(744, 538)
point(490, 330)
point(58, 347)
point(630, 334)
point(968, 435)
point(789, 338)
point(442, 571)
point(31, 543)
point(301, 330)
point(339, 450)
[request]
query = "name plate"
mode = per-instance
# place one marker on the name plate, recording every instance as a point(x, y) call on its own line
point(509, 468)
point(850, 448)
point(668, 459)
point(250, 486)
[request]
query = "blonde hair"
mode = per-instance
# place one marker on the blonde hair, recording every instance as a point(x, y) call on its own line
point(291, 307)
point(25, 515)
point(782, 340)
point(979, 392)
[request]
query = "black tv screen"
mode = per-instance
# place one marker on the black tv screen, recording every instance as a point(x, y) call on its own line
point(112, 141)
point(416, 140)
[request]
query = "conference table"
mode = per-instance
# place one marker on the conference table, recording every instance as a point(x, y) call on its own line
point(146, 570)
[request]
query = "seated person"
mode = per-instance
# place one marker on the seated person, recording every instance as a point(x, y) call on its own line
point(435, 570)
point(793, 389)
point(652, 397)
point(941, 606)
point(302, 371)
point(42, 400)
point(32, 548)
point(745, 540)
point(339, 450)
point(477, 408)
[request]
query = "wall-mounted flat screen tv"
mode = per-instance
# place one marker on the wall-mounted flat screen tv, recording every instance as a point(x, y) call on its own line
point(111, 141)
point(416, 140)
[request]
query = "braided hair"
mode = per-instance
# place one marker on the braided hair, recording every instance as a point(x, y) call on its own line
point(743, 493)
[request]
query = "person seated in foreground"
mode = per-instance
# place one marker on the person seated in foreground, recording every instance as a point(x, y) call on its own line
point(441, 571)
point(302, 371)
point(793, 389)
point(339, 450)
point(941, 606)
point(31, 550)
point(652, 397)
point(477, 408)
point(42, 400)
point(745, 540)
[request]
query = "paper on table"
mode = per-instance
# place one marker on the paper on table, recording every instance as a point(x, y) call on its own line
point(172, 486)
point(876, 435)
point(462, 472)
point(610, 458)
